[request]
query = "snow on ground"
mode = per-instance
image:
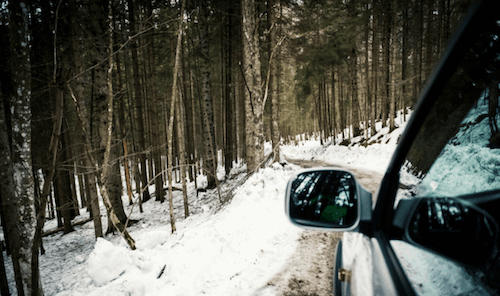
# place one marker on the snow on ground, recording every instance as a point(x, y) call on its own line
point(227, 253)
point(230, 250)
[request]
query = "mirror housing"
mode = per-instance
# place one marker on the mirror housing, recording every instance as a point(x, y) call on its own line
point(327, 199)
point(451, 227)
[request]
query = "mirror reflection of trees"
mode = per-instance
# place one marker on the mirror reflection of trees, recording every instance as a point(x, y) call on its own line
point(455, 228)
point(324, 196)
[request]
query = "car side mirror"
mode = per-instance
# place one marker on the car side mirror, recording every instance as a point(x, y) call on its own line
point(327, 198)
point(451, 227)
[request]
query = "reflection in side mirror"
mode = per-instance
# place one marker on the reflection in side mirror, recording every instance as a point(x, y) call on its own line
point(454, 228)
point(323, 198)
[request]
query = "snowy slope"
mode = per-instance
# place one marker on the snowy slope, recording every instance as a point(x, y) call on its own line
point(233, 251)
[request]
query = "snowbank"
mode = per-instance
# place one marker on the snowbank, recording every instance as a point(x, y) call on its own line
point(235, 251)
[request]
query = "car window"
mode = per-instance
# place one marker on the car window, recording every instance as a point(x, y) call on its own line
point(456, 153)
point(469, 162)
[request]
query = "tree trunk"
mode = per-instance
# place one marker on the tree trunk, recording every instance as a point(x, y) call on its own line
point(18, 193)
point(240, 89)
point(139, 106)
point(210, 160)
point(370, 122)
point(254, 107)
point(70, 156)
point(418, 55)
point(229, 153)
point(429, 36)
point(103, 107)
point(170, 125)
point(334, 108)
point(83, 126)
point(181, 124)
point(386, 89)
point(123, 130)
point(196, 143)
point(90, 184)
point(103, 168)
point(319, 114)
point(356, 130)
point(189, 113)
point(274, 51)
point(61, 187)
point(391, 79)
point(404, 57)
point(375, 65)
point(154, 109)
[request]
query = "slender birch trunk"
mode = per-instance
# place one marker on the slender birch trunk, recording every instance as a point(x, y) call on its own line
point(171, 121)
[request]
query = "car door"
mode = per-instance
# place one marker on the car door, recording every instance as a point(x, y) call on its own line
point(449, 149)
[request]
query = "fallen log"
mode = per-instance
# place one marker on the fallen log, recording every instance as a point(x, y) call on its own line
point(50, 232)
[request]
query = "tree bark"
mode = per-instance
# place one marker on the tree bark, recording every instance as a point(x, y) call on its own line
point(155, 106)
point(170, 125)
point(139, 106)
point(189, 113)
point(391, 79)
point(90, 184)
point(430, 40)
point(273, 79)
point(229, 153)
point(181, 127)
point(17, 188)
point(404, 62)
point(254, 107)
point(210, 160)
point(123, 130)
point(83, 126)
point(370, 122)
point(386, 89)
point(375, 65)
point(104, 105)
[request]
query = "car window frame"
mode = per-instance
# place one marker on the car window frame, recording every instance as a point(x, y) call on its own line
point(383, 212)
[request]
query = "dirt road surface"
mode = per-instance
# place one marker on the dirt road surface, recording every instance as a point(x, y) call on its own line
point(309, 272)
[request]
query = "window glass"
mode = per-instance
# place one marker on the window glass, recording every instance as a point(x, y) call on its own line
point(469, 162)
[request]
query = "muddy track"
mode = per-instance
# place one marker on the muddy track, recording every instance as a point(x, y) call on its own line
point(309, 272)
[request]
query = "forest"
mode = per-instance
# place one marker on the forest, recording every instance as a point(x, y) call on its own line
point(93, 91)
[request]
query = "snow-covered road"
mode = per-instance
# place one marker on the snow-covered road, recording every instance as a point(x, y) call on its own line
point(309, 271)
